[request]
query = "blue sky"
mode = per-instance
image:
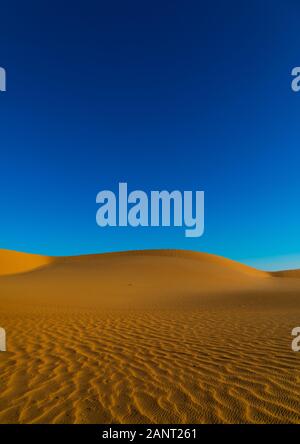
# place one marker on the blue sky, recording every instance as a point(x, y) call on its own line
point(162, 95)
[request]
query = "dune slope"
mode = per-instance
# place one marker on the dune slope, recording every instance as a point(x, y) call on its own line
point(12, 262)
point(149, 336)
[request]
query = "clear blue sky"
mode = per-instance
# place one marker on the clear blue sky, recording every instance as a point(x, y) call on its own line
point(162, 95)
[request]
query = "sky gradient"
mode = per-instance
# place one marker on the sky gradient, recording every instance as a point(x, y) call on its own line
point(161, 95)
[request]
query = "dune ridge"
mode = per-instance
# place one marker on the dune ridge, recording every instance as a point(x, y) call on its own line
point(146, 336)
point(14, 262)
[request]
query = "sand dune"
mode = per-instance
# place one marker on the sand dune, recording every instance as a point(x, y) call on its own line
point(149, 336)
point(12, 262)
point(287, 273)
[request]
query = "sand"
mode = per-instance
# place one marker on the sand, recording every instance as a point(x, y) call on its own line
point(150, 336)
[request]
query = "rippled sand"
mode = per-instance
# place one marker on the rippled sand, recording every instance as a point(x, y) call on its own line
point(154, 336)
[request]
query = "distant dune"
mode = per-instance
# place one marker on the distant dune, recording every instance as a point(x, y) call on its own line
point(160, 336)
point(287, 273)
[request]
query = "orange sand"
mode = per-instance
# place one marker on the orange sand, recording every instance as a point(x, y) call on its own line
point(150, 336)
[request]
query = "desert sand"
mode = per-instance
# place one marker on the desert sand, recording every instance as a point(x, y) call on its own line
point(149, 336)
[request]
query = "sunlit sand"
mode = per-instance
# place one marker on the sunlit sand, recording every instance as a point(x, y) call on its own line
point(150, 336)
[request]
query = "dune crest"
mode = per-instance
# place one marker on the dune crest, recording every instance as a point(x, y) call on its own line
point(13, 262)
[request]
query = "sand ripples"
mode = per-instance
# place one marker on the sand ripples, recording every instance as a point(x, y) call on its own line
point(149, 367)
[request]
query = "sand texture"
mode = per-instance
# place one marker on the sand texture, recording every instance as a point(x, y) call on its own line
point(150, 336)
